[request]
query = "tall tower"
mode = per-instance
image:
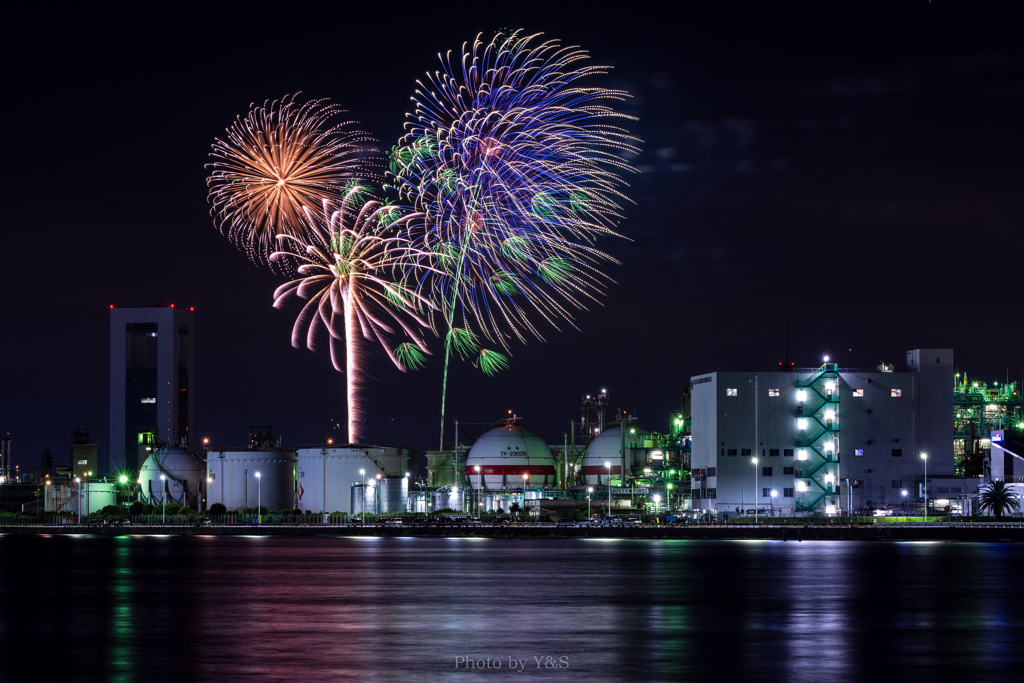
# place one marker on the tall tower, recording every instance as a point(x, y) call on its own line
point(5, 457)
point(151, 382)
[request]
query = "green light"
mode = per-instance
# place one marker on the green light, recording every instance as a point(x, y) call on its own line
point(123, 479)
point(632, 431)
point(670, 487)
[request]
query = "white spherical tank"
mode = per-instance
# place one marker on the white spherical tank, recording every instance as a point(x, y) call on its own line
point(326, 474)
point(606, 447)
point(500, 458)
point(182, 470)
point(233, 481)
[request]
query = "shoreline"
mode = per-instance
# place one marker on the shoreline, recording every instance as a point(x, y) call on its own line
point(997, 533)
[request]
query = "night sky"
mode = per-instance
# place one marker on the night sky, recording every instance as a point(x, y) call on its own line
point(854, 168)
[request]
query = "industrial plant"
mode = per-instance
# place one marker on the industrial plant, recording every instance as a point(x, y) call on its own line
point(786, 442)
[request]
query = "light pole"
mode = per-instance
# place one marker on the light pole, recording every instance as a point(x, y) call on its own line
point(526, 481)
point(378, 501)
point(79, 482)
point(163, 496)
point(608, 464)
point(259, 499)
point(590, 489)
point(477, 489)
point(904, 494)
point(363, 496)
point(924, 456)
point(774, 495)
point(755, 461)
point(657, 501)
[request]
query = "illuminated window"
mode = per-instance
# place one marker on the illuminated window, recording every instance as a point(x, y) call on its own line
point(787, 493)
point(773, 392)
point(857, 393)
point(858, 452)
point(896, 393)
point(149, 400)
point(732, 392)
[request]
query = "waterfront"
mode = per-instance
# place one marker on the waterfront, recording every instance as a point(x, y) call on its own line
point(231, 608)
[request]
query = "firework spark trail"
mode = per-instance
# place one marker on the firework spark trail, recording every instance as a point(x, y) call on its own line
point(517, 164)
point(281, 158)
point(357, 275)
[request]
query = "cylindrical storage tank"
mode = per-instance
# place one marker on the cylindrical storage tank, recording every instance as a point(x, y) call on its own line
point(504, 454)
point(446, 499)
point(361, 498)
point(393, 494)
point(182, 470)
point(235, 484)
point(606, 447)
point(326, 474)
point(95, 495)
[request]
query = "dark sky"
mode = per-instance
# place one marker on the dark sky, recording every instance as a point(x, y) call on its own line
point(854, 167)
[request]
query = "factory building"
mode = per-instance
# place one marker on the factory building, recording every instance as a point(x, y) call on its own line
point(824, 439)
point(259, 475)
point(84, 455)
point(151, 381)
point(328, 476)
point(5, 458)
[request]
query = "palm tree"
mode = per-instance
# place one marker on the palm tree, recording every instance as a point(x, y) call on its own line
point(999, 498)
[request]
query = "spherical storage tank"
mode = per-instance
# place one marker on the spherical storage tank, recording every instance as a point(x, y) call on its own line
point(182, 470)
point(606, 447)
point(504, 454)
point(232, 478)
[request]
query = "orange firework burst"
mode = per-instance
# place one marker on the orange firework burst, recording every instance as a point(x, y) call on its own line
point(283, 157)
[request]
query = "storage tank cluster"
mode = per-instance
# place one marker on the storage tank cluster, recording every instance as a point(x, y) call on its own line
point(345, 479)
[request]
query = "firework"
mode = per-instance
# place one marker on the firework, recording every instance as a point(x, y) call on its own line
point(281, 158)
point(517, 163)
point(357, 275)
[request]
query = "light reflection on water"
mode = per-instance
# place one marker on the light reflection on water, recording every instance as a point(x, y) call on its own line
point(327, 609)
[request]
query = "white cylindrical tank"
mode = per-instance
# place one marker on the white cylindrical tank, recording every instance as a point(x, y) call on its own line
point(380, 496)
point(500, 458)
point(326, 474)
point(182, 470)
point(233, 480)
point(607, 447)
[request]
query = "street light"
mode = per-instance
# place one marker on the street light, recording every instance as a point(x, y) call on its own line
point(774, 496)
point(657, 501)
point(363, 497)
point(526, 481)
point(378, 503)
point(924, 456)
point(608, 464)
point(79, 482)
point(904, 494)
point(590, 489)
point(755, 490)
point(259, 499)
point(163, 496)
point(477, 489)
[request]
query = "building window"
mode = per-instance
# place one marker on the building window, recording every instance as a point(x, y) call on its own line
point(773, 452)
point(943, 489)
point(896, 393)
point(732, 392)
point(712, 493)
point(787, 470)
point(766, 493)
point(787, 493)
point(711, 471)
point(766, 471)
point(954, 489)
point(773, 392)
point(858, 393)
point(787, 452)
point(745, 452)
point(858, 452)
point(731, 451)
point(897, 483)
point(897, 452)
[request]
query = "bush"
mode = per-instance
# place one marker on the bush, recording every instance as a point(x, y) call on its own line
point(112, 511)
point(218, 509)
point(137, 508)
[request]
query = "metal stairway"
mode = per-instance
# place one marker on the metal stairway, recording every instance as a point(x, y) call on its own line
point(817, 443)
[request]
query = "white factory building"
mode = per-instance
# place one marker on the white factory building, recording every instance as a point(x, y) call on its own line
point(828, 439)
